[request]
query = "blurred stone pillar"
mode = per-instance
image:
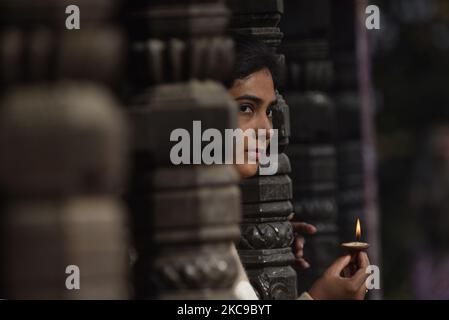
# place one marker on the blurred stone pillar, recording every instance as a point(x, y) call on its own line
point(368, 128)
point(349, 140)
point(312, 148)
point(185, 217)
point(63, 152)
point(357, 181)
point(267, 235)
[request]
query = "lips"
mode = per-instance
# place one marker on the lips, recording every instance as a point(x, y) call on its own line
point(254, 153)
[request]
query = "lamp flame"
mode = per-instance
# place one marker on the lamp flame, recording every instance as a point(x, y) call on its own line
point(358, 230)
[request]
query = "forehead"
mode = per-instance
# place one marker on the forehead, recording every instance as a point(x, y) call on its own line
point(259, 84)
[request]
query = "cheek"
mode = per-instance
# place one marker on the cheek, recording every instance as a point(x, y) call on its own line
point(244, 122)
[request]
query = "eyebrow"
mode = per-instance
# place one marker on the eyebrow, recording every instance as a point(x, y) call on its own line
point(250, 97)
point(255, 99)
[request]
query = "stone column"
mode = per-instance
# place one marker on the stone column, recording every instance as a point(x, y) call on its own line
point(348, 142)
point(356, 129)
point(312, 148)
point(184, 216)
point(267, 235)
point(63, 152)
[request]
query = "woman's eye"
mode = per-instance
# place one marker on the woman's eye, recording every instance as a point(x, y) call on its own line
point(246, 108)
point(269, 113)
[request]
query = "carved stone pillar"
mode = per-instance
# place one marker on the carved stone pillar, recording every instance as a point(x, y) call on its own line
point(312, 113)
point(185, 217)
point(63, 152)
point(349, 141)
point(267, 235)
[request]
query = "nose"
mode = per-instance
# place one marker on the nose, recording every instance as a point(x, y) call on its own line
point(264, 122)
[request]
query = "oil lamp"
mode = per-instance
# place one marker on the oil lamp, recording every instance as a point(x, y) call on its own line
point(353, 248)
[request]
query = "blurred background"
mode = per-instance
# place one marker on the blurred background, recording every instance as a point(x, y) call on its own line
point(410, 68)
point(389, 106)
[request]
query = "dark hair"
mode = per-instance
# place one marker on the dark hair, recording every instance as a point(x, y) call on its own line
point(252, 55)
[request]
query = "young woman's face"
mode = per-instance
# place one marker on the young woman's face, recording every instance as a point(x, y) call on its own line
point(255, 96)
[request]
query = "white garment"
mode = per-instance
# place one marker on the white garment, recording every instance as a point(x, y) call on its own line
point(243, 289)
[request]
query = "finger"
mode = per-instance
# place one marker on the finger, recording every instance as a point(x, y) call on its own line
point(363, 260)
point(362, 292)
point(304, 228)
point(291, 216)
point(299, 242)
point(359, 278)
point(339, 265)
point(302, 263)
point(299, 254)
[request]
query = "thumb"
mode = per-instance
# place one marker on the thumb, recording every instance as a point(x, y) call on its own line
point(339, 265)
